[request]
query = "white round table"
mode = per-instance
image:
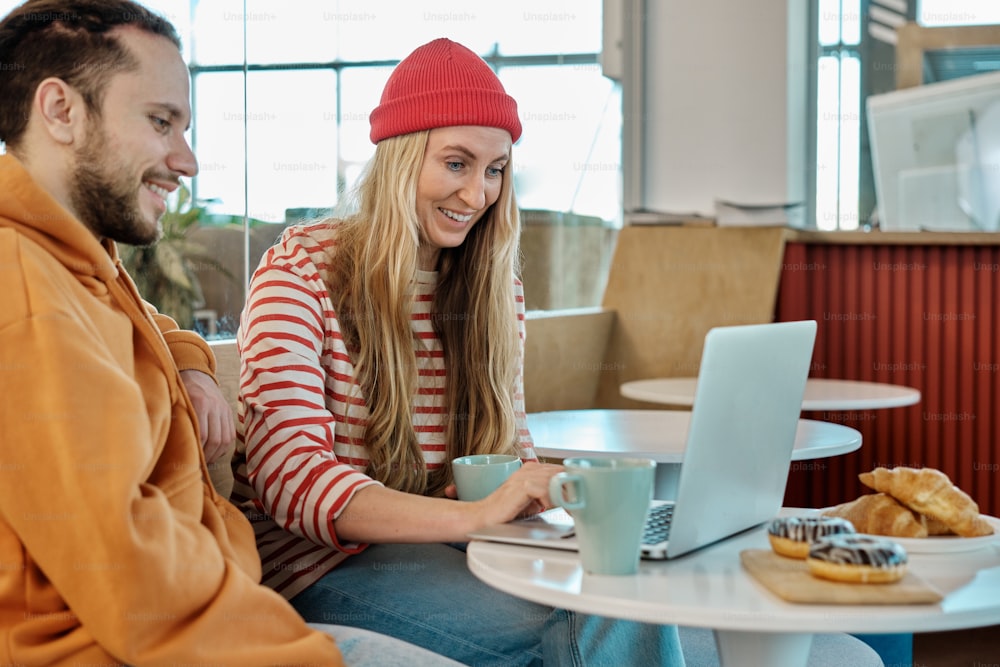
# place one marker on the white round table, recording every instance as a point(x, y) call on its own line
point(660, 435)
point(710, 589)
point(820, 393)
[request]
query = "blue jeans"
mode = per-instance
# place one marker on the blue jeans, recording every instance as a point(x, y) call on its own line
point(424, 594)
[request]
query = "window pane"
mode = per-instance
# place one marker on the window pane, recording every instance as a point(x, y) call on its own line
point(829, 22)
point(291, 156)
point(290, 31)
point(360, 88)
point(218, 141)
point(839, 22)
point(549, 26)
point(599, 188)
point(217, 33)
point(827, 143)
point(379, 29)
point(851, 16)
point(850, 142)
point(569, 156)
point(389, 29)
point(291, 145)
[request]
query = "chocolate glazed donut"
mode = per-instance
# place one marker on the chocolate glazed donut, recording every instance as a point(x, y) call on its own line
point(792, 536)
point(857, 558)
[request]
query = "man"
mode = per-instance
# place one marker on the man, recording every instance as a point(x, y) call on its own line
point(114, 548)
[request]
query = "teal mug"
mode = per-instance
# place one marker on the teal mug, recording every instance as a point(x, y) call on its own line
point(608, 499)
point(479, 475)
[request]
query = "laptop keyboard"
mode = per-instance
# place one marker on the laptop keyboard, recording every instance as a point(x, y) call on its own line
point(658, 524)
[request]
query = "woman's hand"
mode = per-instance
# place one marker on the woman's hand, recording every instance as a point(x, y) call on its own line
point(524, 493)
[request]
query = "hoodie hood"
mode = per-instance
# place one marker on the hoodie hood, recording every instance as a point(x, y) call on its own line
point(32, 211)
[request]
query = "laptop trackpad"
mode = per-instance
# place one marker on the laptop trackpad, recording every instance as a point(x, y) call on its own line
point(553, 523)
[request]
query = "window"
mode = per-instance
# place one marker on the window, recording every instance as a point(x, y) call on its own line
point(281, 94)
point(838, 119)
point(316, 69)
point(856, 58)
point(282, 129)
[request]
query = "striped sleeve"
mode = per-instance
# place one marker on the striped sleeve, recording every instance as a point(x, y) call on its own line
point(525, 443)
point(291, 363)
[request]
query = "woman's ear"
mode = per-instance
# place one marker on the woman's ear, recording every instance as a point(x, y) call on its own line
point(60, 111)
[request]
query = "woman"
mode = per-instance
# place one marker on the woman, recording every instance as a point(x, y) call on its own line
point(379, 347)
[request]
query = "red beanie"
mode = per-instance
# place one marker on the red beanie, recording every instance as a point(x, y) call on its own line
point(443, 84)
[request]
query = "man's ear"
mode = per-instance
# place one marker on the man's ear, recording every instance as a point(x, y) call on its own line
point(60, 111)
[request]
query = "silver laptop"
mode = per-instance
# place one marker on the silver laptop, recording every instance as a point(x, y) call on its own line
point(739, 445)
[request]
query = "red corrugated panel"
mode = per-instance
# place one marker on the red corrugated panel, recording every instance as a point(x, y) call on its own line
point(922, 316)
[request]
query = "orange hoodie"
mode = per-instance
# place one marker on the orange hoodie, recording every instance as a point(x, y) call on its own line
point(114, 548)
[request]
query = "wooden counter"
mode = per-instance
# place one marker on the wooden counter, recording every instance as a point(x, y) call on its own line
point(893, 238)
point(918, 309)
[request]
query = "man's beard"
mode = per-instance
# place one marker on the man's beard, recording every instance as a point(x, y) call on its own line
point(106, 198)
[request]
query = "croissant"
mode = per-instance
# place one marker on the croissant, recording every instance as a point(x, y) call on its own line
point(880, 514)
point(935, 526)
point(930, 492)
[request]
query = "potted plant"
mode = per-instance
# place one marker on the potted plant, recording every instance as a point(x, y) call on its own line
point(165, 272)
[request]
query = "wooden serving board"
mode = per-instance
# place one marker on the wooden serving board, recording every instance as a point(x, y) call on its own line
point(789, 579)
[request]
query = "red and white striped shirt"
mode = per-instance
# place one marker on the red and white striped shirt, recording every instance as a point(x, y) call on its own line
point(305, 455)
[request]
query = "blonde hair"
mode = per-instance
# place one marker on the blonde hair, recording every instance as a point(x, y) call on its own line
point(473, 313)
